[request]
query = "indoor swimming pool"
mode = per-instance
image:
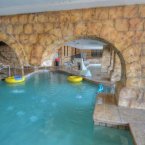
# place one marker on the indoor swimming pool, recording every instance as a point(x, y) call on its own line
point(48, 110)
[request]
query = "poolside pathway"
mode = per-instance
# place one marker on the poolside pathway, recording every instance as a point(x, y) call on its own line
point(99, 78)
point(109, 114)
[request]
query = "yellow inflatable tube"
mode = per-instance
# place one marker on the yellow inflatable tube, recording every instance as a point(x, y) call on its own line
point(15, 79)
point(75, 79)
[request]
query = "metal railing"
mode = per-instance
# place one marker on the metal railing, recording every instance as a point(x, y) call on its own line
point(2, 66)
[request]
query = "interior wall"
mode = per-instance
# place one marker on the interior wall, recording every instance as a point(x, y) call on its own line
point(8, 56)
point(35, 37)
point(66, 52)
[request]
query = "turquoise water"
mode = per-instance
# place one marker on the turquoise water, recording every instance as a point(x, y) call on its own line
point(48, 110)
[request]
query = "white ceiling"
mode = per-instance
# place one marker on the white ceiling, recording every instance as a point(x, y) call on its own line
point(86, 44)
point(10, 7)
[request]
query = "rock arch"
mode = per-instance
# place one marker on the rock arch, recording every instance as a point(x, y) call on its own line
point(50, 52)
point(13, 42)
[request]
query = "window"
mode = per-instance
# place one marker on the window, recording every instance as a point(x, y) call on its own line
point(96, 53)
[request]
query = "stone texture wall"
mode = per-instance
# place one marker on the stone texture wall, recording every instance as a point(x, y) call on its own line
point(116, 72)
point(8, 56)
point(106, 59)
point(36, 37)
point(111, 64)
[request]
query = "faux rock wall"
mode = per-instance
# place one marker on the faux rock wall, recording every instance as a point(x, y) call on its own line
point(8, 56)
point(36, 37)
point(116, 72)
point(106, 59)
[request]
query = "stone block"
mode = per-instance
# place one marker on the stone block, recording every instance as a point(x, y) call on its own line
point(5, 20)
point(142, 10)
point(125, 39)
point(94, 28)
point(38, 28)
point(138, 37)
point(53, 17)
point(106, 114)
point(37, 51)
point(34, 61)
point(45, 39)
point(136, 24)
point(28, 48)
point(33, 38)
point(143, 50)
point(76, 16)
point(32, 18)
point(131, 11)
point(42, 18)
point(18, 29)
point(126, 95)
point(64, 16)
point(133, 69)
point(88, 14)
point(3, 36)
point(48, 27)
point(132, 53)
point(122, 24)
point(23, 19)
point(133, 82)
point(14, 19)
point(108, 33)
point(137, 105)
point(67, 29)
point(80, 29)
point(109, 23)
point(143, 82)
point(12, 40)
point(28, 29)
point(9, 29)
point(24, 39)
point(143, 61)
point(101, 13)
point(116, 12)
point(56, 32)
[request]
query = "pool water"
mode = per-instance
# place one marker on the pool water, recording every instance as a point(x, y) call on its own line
point(48, 110)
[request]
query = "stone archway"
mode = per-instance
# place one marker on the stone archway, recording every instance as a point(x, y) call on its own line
point(48, 54)
point(45, 32)
point(15, 45)
point(8, 56)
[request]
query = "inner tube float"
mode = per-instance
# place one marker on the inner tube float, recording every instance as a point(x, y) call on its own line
point(15, 79)
point(75, 79)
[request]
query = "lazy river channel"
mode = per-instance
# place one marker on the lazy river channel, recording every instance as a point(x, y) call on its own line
point(48, 110)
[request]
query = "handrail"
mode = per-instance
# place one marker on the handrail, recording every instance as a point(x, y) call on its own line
point(5, 66)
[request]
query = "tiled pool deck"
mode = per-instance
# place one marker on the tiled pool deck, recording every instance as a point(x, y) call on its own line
point(97, 79)
point(107, 113)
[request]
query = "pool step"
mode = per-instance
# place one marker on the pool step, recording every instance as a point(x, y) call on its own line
point(109, 114)
point(106, 98)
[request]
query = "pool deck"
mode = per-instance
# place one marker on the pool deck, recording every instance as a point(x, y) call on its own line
point(101, 78)
point(107, 113)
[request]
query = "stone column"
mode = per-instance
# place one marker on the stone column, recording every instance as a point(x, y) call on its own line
point(112, 57)
point(106, 59)
point(116, 73)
